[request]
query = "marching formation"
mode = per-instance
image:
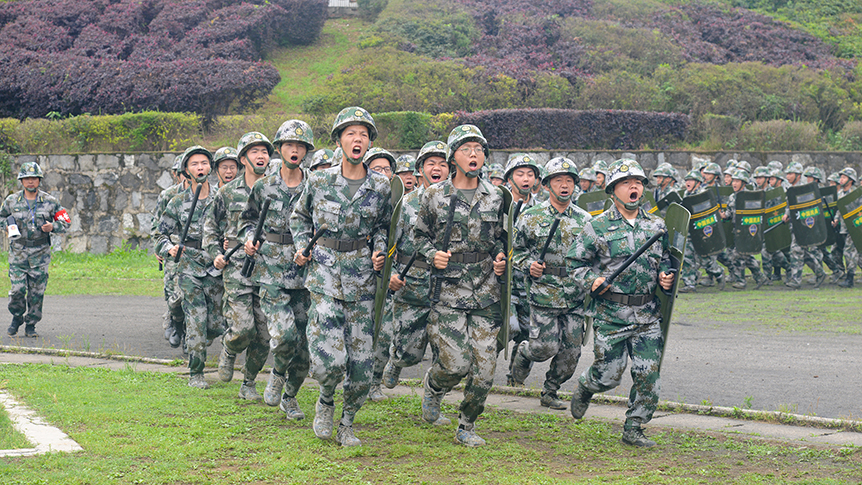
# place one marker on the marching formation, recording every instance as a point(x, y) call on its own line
point(347, 265)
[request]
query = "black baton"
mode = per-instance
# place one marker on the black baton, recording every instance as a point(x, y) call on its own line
point(323, 229)
point(628, 262)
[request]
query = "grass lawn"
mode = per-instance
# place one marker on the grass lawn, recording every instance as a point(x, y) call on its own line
point(138, 427)
point(9, 438)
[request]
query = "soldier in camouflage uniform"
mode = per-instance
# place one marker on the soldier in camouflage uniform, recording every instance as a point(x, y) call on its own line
point(380, 161)
point(321, 159)
point(201, 293)
point(800, 256)
point(174, 323)
point(739, 178)
point(464, 323)
point(600, 167)
point(587, 178)
point(224, 228)
point(226, 165)
point(496, 174)
point(37, 214)
point(847, 179)
point(665, 177)
point(711, 175)
point(761, 178)
point(411, 305)
point(692, 261)
point(556, 327)
point(773, 262)
point(284, 299)
point(626, 315)
point(835, 265)
point(354, 202)
point(405, 166)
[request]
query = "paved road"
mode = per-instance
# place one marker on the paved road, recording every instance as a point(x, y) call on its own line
point(815, 374)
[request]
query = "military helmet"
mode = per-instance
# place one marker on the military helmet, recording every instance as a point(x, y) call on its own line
point(353, 115)
point(225, 153)
point(664, 171)
point(192, 150)
point(496, 171)
point(601, 166)
point(624, 169)
point(732, 163)
point(463, 134)
point(744, 165)
point(775, 164)
point(294, 130)
point(337, 156)
point(322, 157)
point(761, 171)
point(377, 152)
point(739, 174)
point(252, 139)
point(833, 177)
point(587, 173)
point(700, 164)
point(177, 167)
point(560, 165)
point(694, 175)
point(521, 160)
point(813, 172)
point(30, 169)
point(848, 171)
point(712, 168)
point(777, 173)
point(434, 148)
point(405, 163)
point(795, 167)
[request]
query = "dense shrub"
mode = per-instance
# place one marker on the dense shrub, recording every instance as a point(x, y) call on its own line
point(719, 131)
point(574, 130)
point(435, 29)
point(779, 135)
point(403, 130)
point(851, 136)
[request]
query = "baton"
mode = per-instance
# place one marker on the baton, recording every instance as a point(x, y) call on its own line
point(628, 262)
point(213, 271)
point(436, 280)
point(403, 274)
point(323, 229)
point(188, 224)
point(773, 227)
point(248, 265)
point(517, 211)
point(554, 226)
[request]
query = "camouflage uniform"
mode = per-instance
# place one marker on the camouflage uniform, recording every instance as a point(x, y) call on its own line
point(341, 280)
point(463, 326)
point(202, 293)
point(556, 304)
point(623, 330)
point(850, 254)
point(30, 255)
point(173, 295)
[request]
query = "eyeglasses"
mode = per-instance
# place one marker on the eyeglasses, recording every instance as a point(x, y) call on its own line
point(386, 170)
point(471, 150)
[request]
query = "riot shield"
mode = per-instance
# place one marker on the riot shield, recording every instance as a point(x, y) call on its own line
point(677, 221)
point(850, 208)
point(506, 287)
point(648, 203)
point(593, 202)
point(705, 229)
point(668, 200)
point(748, 222)
point(721, 195)
point(775, 203)
point(383, 279)
point(806, 216)
point(830, 211)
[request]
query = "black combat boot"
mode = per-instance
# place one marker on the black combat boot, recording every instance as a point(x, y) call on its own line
point(30, 331)
point(13, 327)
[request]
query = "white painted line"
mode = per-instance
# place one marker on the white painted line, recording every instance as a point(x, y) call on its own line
point(47, 438)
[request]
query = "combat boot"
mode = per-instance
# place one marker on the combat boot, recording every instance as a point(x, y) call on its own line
point(13, 327)
point(836, 277)
point(739, 285)
point(248, 391)
point(708, 281)
point(197, 380)
point(226, 361)
point(688, 289)
point(391, 373)
point(761, 279)
point(521, 366)
point(820, 279)
point(634, 436)
point(375, 394)
point(468, 437)
point(169, 326)
point(30, 331)
point(431, 401)
point(721, 280)
point(580, 401)
point(176, 337)
point(323, 416)
point(776, 273)
point(291, 409)
point(442, 421)
point(550, 400)
point(847, 282)
point(274, 386)
point(345, 437)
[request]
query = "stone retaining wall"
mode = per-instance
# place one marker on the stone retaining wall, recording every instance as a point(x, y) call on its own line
point(110, 197)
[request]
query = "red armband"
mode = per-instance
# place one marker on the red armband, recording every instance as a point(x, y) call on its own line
point(63, 216)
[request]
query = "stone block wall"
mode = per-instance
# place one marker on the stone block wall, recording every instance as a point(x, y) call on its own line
point(111, 197)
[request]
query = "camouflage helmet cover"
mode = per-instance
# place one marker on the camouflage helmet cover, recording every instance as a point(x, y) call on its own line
point(739, 174)
point(813, 172)
point(601, 166)
point(177, 167)
point(775, 164)
point(560, 166)
point(761, 171)
point(192, 150)
point(377, 152)
point(405, 163)
point(744, 165)
point(624, 169)
point(353, 115)
point(777, 173)
point(849, 172)
point(712, 168)
point(694, 175)
point(463, 134)
point(587, 173)
point(496, 171)
point(225, 153)
point(833, 177)
point(795, 167)
point(30, 169)
point(518, 160)
point(732, 163)
point(294, 130)
point(434, 148)
point(251, 139)
point(322, 157)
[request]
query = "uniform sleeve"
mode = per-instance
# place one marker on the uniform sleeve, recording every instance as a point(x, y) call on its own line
point(522, 258)
point(5, 212)
point(381, 227)
point(579, 259)
point(301, 223)
point(249, 217)
point(214, 226)
point(60, 218)
point(168, 225)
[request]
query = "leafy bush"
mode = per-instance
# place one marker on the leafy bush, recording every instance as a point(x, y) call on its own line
point(439, 29)
point(780, 135)
point(370, 9)
point(719, 131)
point(404, 130)
point(577, 130)
point(851, 136)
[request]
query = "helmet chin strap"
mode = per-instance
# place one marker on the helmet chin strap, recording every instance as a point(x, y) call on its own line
point(559, 198)
point(471, 174)
point(31, 189)
point(628, 205)
point(202, 178)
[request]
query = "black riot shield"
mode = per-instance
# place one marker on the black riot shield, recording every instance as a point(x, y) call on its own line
point(593, 202)
point(668, 200)
point(806, 215)
point(748, 222)
point(677, 222)
point(705, 229)
point(850, 208)
point(648, 203)
point(830, 210)
point(721, 195)
point(776, 238)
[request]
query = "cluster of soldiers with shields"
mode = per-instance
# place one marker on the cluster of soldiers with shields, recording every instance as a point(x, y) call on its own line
point(348, 266)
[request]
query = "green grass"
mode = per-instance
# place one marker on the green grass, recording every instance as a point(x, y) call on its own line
point(181, 435)
point(122, 272)
point(10, 439)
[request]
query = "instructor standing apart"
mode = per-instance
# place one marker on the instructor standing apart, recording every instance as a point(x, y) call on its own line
point(627, 314)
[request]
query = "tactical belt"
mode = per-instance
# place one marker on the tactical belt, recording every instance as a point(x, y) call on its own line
point(192, 243)
point(630, 300)
point(286, 238)
point(404, 259)
point(341, 245)
point(555, 271)
point(28, 243)
point(468, 258)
